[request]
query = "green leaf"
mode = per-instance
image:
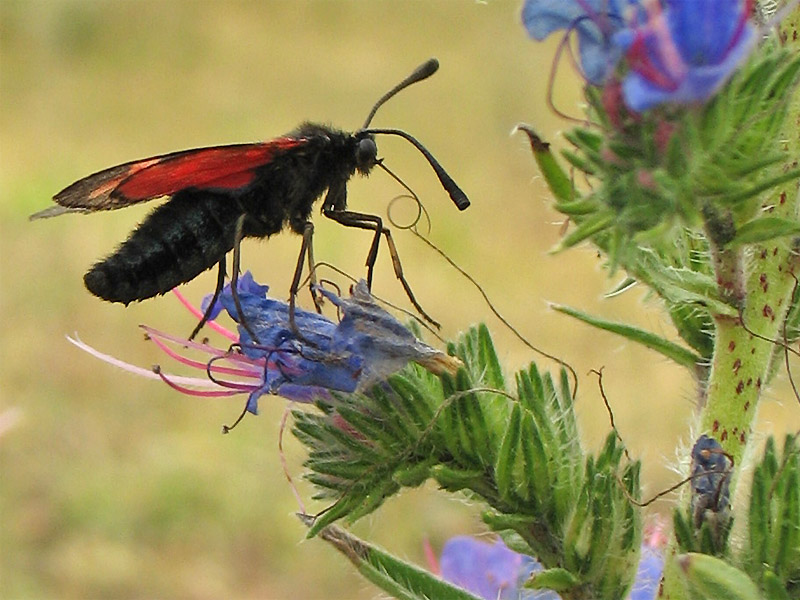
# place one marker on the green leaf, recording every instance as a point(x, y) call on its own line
point(492, 370)
point(402, 580)
point(711, 578)
point(589, 227)
point(741, 195)
point(623, 286)
point(774, 588)
point(579, 207)
point(455, 480)
point(671, 350)
point(695, 328)
point(773, 543)
point(507, 457)
point(586, 139)
point(764, 229)
point(414, 475)
point(558, 182)
point(684, 532)
point(535, 472)
point(556, 579)
point(578, 161)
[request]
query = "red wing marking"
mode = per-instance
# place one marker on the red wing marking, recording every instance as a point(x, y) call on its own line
point(228, 167)
point(219, 167)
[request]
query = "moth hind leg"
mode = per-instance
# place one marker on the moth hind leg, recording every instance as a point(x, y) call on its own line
point(375, 223)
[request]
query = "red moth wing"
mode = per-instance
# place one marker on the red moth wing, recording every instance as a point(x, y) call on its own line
point(219, 167)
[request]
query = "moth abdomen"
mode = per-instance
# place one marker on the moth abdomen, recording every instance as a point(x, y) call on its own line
point(173, 245)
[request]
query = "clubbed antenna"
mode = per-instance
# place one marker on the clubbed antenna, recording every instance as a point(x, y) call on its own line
point(424, 71)
point(457, 195)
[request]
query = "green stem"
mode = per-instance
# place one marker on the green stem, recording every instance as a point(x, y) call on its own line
point(741, 359)
point(744, 346)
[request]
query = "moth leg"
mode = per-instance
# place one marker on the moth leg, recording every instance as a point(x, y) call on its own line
point(374, 223)
point(312, 266)
point(214, 298)
point(237, 255)
point(306, 249)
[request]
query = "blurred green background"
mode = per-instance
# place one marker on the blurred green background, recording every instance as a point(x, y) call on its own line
point(117, 487)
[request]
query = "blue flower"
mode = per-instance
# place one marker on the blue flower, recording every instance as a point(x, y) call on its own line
point(495, 572)
point(490, 571)
point(685, 52)
point(366, 346)
point(594, 21)
point(303, 364)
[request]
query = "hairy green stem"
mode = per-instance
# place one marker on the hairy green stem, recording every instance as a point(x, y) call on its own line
point(744, 347)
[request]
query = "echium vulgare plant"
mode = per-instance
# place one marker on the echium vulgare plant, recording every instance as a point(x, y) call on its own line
point(684, 175)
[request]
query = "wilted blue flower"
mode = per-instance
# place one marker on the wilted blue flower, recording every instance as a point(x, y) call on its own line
point(594, 22)
point(490, 571)
point(685, 52)
point(365, 347)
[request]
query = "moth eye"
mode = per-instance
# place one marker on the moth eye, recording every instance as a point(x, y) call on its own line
point(366, 153)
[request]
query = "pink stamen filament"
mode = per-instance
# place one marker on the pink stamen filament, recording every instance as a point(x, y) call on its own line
point(211, 323)
point(254, 372)
point(183, 341)
point(147, 373)
point(195, 392)
point(235, 385)
point(243, 359)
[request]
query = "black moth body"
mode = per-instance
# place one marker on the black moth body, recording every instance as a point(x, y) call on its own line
point(219, 195)
point(191, 232)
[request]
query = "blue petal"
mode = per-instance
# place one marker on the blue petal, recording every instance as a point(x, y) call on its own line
point(648, 575)
point(703, 31)
point(712, 38)
point(246, 284)
point(699, 84)
point(492, 571)
point(598, 58)
point(594, 29)
point(370, 332)
point(543, 17)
